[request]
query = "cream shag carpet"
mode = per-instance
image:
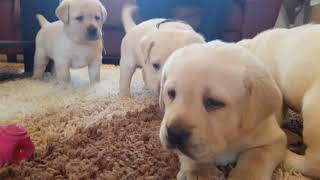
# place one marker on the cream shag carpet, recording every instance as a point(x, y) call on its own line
point(86, 132)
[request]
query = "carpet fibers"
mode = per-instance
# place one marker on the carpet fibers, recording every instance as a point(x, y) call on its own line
point(86, 132)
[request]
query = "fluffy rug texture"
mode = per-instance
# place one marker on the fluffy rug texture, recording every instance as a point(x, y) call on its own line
point(88, 132)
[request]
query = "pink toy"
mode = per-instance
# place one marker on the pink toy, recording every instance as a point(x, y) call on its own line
point(15, 145)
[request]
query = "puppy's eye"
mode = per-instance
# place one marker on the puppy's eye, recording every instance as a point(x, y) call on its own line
point(97, 18)
point(79, 18)
point(212, 104)
point(172, 94)
point(156, 66)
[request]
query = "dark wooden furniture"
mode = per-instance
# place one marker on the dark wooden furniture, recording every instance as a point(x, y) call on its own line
point(10, 26)
point(20, 26)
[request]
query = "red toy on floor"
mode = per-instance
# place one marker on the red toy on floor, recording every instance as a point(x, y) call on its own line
point(15, 145)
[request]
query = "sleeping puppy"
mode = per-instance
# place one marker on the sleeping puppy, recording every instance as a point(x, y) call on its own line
point(148, 45)
point(220, 111)
point(73, 42)
point(292, 55)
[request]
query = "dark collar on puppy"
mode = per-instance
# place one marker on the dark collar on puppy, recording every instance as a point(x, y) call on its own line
point(167, 21)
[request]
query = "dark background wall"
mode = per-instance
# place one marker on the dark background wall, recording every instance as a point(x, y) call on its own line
point(29, 9)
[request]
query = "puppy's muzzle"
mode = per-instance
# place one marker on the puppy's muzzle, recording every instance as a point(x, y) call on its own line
point(92, 33)
point(177, 137)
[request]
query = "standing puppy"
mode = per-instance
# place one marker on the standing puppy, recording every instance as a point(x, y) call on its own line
point(292, 55)
point(148, 45)
point(73, 42)
point(220, 111)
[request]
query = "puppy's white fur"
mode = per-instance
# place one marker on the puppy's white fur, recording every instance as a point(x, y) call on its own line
point(148, 47)
point(68, 42)
point(228, 109)
point(292, 55)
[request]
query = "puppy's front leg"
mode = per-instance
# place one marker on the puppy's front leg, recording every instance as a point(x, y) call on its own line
point(190, 170)
point(127, 68)
point(259, 163)
point(94, 71)
point(63, 72)
point(40, 63)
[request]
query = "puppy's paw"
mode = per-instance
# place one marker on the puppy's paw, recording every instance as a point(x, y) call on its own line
point(188, 175)
point(145, 87)
point(94, 83)
point(293, 161)
point(36, 77)
point(124, 95)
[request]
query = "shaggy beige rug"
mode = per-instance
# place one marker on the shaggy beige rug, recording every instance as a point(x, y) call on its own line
point(85, 132)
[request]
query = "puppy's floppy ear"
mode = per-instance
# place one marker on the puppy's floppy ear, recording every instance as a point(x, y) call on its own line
point(264, 97)
point(63, 10)
point(146, 45)
point(161, 101)
point(103, 12)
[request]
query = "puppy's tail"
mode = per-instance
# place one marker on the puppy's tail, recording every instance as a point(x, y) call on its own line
point(127, 16)
point(42, 20)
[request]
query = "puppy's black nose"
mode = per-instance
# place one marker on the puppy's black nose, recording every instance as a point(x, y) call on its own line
point(178, 135)
point(92, 31)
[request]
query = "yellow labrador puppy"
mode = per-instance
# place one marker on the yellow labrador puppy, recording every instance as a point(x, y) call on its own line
point(73, 42)
point(292, 55)
point(219, 111)
point(147, 45)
